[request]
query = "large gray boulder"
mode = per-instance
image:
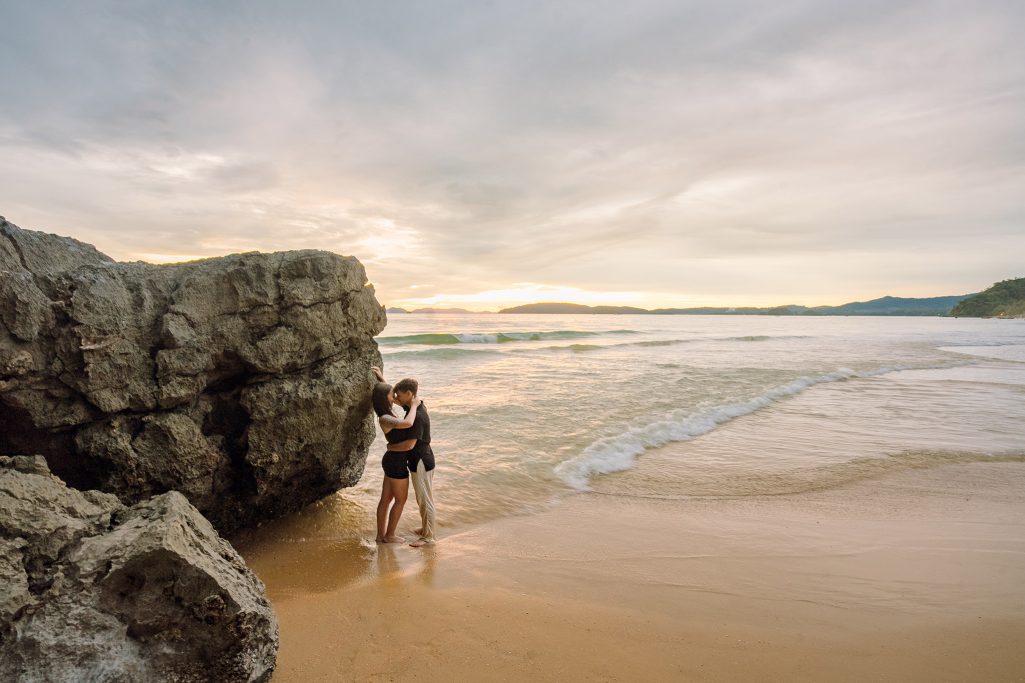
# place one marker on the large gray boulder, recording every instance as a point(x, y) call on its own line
point(243, 382)
point(91, 590)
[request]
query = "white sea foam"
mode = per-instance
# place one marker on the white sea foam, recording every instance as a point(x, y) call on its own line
point(477, 338)
point(618, 453)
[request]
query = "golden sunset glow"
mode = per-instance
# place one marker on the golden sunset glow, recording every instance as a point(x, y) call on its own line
point(522, 294)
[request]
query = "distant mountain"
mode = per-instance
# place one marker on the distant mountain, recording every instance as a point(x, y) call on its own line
point(887, 305)
point(740, 310)
point(1003, 300)
point(565, 309)
point(445, 310)
point(396, 310)
point(892, 305)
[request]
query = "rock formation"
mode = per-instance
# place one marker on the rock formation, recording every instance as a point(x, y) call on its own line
point(93, 591)
point(243, 382)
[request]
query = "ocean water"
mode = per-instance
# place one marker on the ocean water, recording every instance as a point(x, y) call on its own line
point(527, 409)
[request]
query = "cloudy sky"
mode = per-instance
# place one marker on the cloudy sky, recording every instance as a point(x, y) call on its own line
point(482, 154)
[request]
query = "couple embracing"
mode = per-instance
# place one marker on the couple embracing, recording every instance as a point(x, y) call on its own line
point(409, 456)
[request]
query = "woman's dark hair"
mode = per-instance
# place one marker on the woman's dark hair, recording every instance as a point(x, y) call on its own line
point(379, 397)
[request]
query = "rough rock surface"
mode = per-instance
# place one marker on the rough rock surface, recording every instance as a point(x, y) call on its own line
point(243, 382)
point(93, 591)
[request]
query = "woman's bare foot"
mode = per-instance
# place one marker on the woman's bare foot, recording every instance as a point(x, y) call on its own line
point(380, 539)
point(422, 542)
point(393, 539)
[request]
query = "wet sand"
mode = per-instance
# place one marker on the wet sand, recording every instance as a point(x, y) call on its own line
point(917, 575)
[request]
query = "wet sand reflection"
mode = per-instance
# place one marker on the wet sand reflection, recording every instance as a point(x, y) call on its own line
point(329, 546)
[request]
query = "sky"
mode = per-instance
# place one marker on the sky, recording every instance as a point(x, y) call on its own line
point(486, 154)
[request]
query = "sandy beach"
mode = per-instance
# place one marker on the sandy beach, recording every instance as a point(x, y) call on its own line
point(914, 575)
point(706, 316)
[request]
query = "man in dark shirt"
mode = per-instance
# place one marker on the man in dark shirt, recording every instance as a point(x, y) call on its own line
point(419, 460)
point(405, 392)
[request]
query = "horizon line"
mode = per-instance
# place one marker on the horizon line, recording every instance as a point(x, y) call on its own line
point(410, 309)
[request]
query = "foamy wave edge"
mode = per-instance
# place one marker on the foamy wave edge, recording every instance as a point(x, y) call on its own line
point(618, 453)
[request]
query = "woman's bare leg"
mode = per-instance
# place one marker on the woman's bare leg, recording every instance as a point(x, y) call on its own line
point(382, 509)
point(399, 491)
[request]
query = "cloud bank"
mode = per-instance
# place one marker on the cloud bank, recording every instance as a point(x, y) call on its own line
point(659, 153)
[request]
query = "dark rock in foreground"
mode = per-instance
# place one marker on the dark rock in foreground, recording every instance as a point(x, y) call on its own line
point(93, 591)
point(242, 382)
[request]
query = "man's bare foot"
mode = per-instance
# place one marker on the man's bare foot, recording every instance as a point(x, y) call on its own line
point(418, 532)
point(393, 539)
point(422, 542)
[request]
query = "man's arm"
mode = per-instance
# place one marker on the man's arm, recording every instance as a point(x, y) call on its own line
point(418, 428)
point(402, 422)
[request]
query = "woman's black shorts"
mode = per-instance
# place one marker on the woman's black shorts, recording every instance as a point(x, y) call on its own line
point(394, 465)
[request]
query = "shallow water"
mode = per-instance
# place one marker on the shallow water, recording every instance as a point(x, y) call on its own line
point(528, 408)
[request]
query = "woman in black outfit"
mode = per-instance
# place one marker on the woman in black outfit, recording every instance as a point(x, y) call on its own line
point(396, 476)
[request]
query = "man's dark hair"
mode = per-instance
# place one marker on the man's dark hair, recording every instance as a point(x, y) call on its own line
point(379, 397)
point(407, 384)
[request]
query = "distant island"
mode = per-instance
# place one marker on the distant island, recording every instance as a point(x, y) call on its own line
point(1005, 299)
point(573, 308)
point(887, 305)
point(432, 310)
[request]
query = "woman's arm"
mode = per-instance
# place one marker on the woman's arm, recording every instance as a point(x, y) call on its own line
point(394, 422)
point(377, 373)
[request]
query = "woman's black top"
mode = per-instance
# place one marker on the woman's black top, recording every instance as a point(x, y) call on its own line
point(421, 431)
point(396, 435)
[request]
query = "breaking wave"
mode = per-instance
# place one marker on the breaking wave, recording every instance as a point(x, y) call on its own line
point(618, 453)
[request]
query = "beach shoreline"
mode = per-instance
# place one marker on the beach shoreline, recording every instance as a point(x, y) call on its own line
point(915, 575)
